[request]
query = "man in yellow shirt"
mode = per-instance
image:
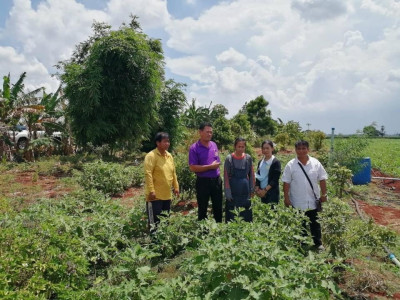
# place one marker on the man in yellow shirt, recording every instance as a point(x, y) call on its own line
point(160, 179)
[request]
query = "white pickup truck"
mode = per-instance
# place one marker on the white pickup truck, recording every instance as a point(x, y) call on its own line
point(20, 136)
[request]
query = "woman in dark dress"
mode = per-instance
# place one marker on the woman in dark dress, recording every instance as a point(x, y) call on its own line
point(268, 174)
point(239, 182)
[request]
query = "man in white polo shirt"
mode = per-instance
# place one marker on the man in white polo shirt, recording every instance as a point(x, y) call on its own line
point(298, 191)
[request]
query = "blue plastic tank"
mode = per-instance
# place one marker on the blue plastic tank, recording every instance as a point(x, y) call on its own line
point(363, 176)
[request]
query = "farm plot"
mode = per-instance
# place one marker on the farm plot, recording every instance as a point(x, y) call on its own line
point(86, 245)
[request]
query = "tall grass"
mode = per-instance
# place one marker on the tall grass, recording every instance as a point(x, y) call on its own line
point(385, 155)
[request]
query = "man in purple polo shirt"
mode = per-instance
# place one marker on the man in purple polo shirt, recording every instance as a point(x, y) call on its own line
point(204, 161)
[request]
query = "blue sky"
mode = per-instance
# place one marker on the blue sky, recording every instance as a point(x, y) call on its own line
point(329, 63)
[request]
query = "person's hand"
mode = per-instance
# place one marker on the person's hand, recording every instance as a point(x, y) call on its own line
point(176, 192)
point(215, 165)
point(262, 193)
point(323, 198)
point(152, 196)
point(287, 202)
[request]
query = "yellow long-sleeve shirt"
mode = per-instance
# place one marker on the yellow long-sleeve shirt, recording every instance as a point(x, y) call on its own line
point(160, 175)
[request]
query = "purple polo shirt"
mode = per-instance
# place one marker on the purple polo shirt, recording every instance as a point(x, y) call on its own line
point(201, 155)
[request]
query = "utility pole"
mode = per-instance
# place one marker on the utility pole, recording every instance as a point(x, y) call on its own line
point(308, 126)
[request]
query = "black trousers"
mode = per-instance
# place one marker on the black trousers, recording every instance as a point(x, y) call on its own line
point(315, 227)
point(207, 188)
point(155, 209)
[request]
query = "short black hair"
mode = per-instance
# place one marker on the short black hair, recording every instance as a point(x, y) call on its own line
point(204, 124)
point(301, 143)
point(239, 139)
point(160, 136)
point(269, 142)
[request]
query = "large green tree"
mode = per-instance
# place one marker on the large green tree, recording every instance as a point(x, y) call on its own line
point(218, 111)
point(113, 83)
point(223, 135)
point(371, 130)
point(169, 112)
point(259, 116)
point(241, 127)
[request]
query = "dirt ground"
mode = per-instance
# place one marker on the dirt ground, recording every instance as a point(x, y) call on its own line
point(386, 192)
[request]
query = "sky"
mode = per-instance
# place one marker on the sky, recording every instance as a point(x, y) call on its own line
point(323, 63)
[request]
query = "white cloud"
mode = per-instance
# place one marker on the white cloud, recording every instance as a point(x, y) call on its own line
point(318, 10)
point(152, 13)
point(353, 38)
point(231, 57)
point(389, 8)
point(37, 74)
point(188, 66)
point(312, 60)
point(50, 32)
point(394, 75)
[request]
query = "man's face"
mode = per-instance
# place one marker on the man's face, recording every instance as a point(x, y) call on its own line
point(163, 145)
point(302, 151)
point(206, 134)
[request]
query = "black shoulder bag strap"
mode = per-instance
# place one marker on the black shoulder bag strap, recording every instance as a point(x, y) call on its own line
point(309, 181)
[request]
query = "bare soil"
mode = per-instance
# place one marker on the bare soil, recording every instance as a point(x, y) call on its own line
point(389, 184)
point(386, 192)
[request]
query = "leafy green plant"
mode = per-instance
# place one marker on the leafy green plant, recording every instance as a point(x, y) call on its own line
point(339, 177)
point(349, 152)
point(344, 233)
point(261, 260)
point(176, 233)
point(110, 178)
point(186, 178)
point(59, 249)
point(137, 175)
point(283, 140)
point(316, 139)
point(39, 258)
point(335, 221)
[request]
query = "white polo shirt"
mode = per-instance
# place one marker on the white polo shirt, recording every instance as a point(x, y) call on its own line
point(300, 192)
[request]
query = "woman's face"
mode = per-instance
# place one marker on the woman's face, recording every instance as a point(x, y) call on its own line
point(267, 150)
point(240, 147)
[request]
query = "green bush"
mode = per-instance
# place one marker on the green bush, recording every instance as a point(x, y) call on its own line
point(339, 177)
point(137, 175)
point(39, 258)
point(316, 139)
point(110, 178)
point(59, 249)
point(349, 152)
point(186, 178)
point(345, 233)
point(176, 233)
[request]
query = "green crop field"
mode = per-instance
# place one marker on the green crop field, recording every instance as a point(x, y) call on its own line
point(385, 155)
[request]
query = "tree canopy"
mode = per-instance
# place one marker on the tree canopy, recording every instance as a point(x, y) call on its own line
point(371, 130)
point(259, 116)
point(113, 83)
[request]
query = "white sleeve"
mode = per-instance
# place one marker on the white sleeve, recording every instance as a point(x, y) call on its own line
point(287, 174)
point(322, 175)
